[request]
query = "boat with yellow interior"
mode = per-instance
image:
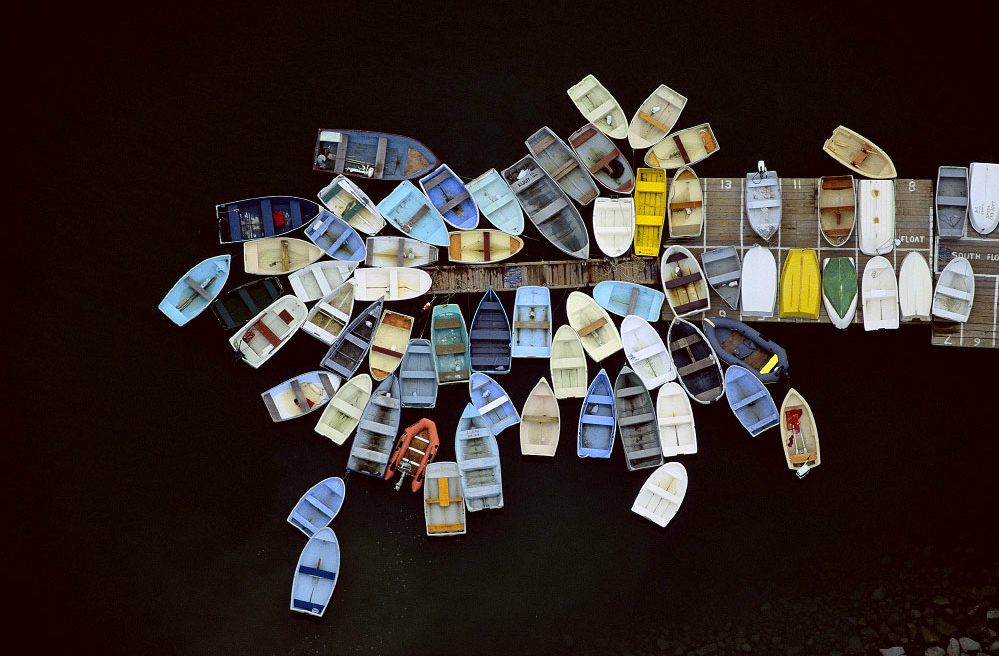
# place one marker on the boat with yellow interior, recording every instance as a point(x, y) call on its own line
point(801, 284)
point(650, 210)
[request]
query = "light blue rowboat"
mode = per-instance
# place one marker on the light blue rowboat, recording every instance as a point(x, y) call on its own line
point(448, 194)
point(316, 573)
point(497, 202)
point(492, 402)
point(196, 289)
point(414, 215)
point(418, 375)
point(597, 419)
point(450, 339)
point(490, 336)
point(336, 238)
point(376, 430)
point(318, 506)
point(477, 454)
point(532, 327)
point(267, 216)
point(624, 298)
point(750, 401)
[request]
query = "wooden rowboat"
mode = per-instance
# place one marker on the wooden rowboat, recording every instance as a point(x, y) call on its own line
point(759, 282)
point(267, 332)
point(393, 283)
point(492, 402)
point(278, 255)
point(444, 514)
point(955, 291)
point(686, 204)
point(320, 279)
point(388, 344)
point(696, 363)
point(859, 154)
point(662, 493)
point(602, 159)
point(677, 435)
point(636, 420)
point(684, 283)
point(347, 351)
point(548, 207)
point(798, 434)
point(343, 412)
point(490, 336)
point(532, 328)
point(300, 395)
point(750, 401)
point(196, 289)
point(377, 155)
point(482, 246)
point(317, 507)
point(624, 298)
point(646, 352)
point(267, 216)
point(345, 200)
point(418, 376)
point(650, 210)
point(412, 213)
point(683, 148)
point(836, 203)
point(540, 423)
point(951, 200)
point(599, 107)
point(478, 461)
point(336, 238)
point(413, 451)
point(763, 201)
point(563, 165)
point(237, 306)
point(596, 331)
point(655, 117)
point(568, 364)
point(723, 271)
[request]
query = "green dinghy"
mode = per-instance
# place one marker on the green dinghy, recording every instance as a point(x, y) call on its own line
point(839, 289)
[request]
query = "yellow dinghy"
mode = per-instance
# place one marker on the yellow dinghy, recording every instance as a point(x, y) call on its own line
point(801, 284)
point(482, 246)
point(650, 211)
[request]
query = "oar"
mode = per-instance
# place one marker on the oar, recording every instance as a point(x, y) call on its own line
point(187, 301)
point(315, 580)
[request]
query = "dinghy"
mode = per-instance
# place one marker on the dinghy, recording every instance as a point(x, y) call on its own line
point(267, 332)
point(723, 271)
point(568, 364)
point(624, 298)
point(497, 202)
point(880, 295)
point(801, 285)
point(548, 208)
point(696, 363)
point(196, 289)
point(650, 210)
point(684, 284)
point(450, 340)
point(602, 159)
point(686, 204)
point(448, 194)
point(839, 290)
point(983, 197)
point(267, 216)
point(316, 573)
point(677, 435)
point(413, 451)
point(750, 401)
point(662, 493)
point(345, 200)
point(597, 420)
point(388, 344)
point(798, 434)
point(655, 117)
point(955, 291)
point(492, 402)
point(482, 246)
point(392, 283)
point(646, 352)
point(737, 343)
point(398, 252)
point(683, 148)
point(237, 306)
point(444, 514)
point(599, 107)
point(636, 420)
point(532, 328)
point(763, 201)
point(418, 375)
point(759, 282)
point(377, 155)
point(563, 165)
point(540, 422)
point(614, 225)
point(320, 279)
point(317, 507)
point(278, 255)
point(596, 331)
point(951, 200)
point(345, 354)
point(876, 216)
point(300, 395)
point(379, 422)
point(412, 213)
point(859, 154)
point(837, 207)
point(490, 337)
point(478, 461)
point(915, 288)
point(341, 414)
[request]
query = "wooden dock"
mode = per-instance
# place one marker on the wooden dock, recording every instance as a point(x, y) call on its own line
point(726, 225)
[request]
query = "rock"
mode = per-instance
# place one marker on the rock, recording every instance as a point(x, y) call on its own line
point(567, 640)
point(893, 651)
point(953, 648)
point(879, 593)
point(794, 646)
point(746, 647)
point(915, 614)
point(935, 651)
point(994, 647)
point(868, 632)
point(941, 601)
point(855, 646)
point(967, 644)
point(709, 648)
point(928, 635)
point(944, 627)
point(662, 642)
point(992, 614)
point(765, 607)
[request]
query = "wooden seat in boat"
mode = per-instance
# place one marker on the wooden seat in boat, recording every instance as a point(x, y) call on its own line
point(453, 203)
point(604, 163)
point(682, 280)
point(693, 305)
point(564, 169)
point(550, 210)
point(593, 326)
point(196, 286)
point(447, 322)
point(862, 154)
point(267, 333)
point(708, 140)
point(648, 119)
point(684, 342)
point(837, 210)
point(380, 158)
point(413, 220)
point(838, 182)
point(531, 324)
point(685, 205)
point(679, 147)
point(300, 399)
point(448, 349)
point(341, 153)
point(801, 458)
point(461, 374)
point(540, 419)
point(583, 138)
point(837, 232)
point(697, 365)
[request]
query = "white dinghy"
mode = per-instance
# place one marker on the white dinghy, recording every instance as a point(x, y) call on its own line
point(915, 288)
point(663, 492)
point(876, 216)
point(677, 434)
point(983, 197)
point(880, 295)
point(955, 291)
point(646, 352)
point(759, 282)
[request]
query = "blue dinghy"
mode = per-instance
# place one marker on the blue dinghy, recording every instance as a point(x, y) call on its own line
point(597, 419)
point(492, 402)
point(624, 298)
point(267, 216)
point(378, 155)
point(450, 344)
point(418, 375)
point(750, 401)
point(490, 336)
point(318, 506)
point(316, 573)
point(532, 328)
point(448, 194)
point(196, 289)
point(336, 238)
point(497, 202)
point(414, 215)
point(478, 461)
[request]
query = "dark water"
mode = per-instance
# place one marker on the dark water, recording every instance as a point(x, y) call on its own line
point(150, 490)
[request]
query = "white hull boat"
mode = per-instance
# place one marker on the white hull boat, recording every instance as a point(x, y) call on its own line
point(655, 117)
point(759, 282)
point(880, 293)
point(317, 280)
point(597, 333)
point(876, 216)
point(662, 493)
point(677, 435)
point(646, 352)
point(394, 283)
point(983, 201)
point(540, 422)
point(915, 288)
point(570, 377)
point(955, 292)
point(614, 224)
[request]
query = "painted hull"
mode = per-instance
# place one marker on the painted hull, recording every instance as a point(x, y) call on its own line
point(413, 215)
point(662, 493)
point(540, 422)
point(490, 337)
point(563, 165)
point(876, 216)
point(839, 290)
point(602, 159)
point(478, 461)
point(763, 203)
point(739, 344)
point(686, 204)
point(683, 282)
point(196, 289)
point(677, 433)
point(320, 279)
point(915, 288)
point(237, 306)
point(836, 203)
point(343, 412)
point(646, 352)
point(345, 200)
point(376, 430)
point(482, 246)
point(596, 330)
point(636, 421)
point(798, 434)
point(655, 117)
point(492, 402)
point(759, 282)
point(683, 148)
point(316, 574)
point(449, 196)
point(801, 285)
point(389, 343)
point(723, 270)
point(532, 328)
point(750, 401)
point(301, 395)
point(859, 154)
point(418, 376)
point(347, 352)
point(955, 291)
point(377, 155)
point(548, 208)
point(278, 255)
point(450, 338)
point(951, 200)
point(599, 107)
point(392, 283)
point(983, 197)
point(497, 202)
point(650, 211)
point(266, 333)
point(398, 252)
point(568, 364)
point(614, 225)
point(624, 298)
point(879, 292)
point(317, 507)
point(696, 362)
point(443, 505)
point(266, 216)
point(597, 419)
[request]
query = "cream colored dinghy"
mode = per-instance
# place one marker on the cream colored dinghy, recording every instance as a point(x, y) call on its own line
point(278, 255)
point(597, 333)
point(394, 283)
point(568, 365)
point(955, 291)
point(879, 291)
point(646, 352)
point(858, 154)
point(327, 318)
point(759, 282)
point(662, 493)
point(267, 332)
point(343, 412)
point(876, 210)
point(655, 117)
point(798, 434)
point(482, 246)
point(614, 224)
point(684, 283)
point(389, 343)
point(398, 252)
point(320, 279)
point(344, 199)
point(836, 201)
point(443, 505)
point(983, 197)
point(677, 435)
point(683, 148)
point(599, 107)
point(915, 288)
point(539, 422)
point(686, 204)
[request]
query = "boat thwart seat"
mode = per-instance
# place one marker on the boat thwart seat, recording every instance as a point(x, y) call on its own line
point(637, 419)
point(368, 454)
point(752, 398)
point(315, 571)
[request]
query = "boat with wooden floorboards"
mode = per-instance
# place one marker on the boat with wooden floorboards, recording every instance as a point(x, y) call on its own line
point(839, 290)
point(750, 401)
point(388, 344)
point(418, 376)
point(683, 148)
point(677, 434)
point(801, 284)
point(879, 291)
point(759, 282)
point(478, 461)
point(686, 204)
point(763, 201)
point(597, 419)
point(327, 318)
point(614, 225)
point(278, 255)
point(482, 246)
point(341, 414)
point(599, 107)
point(348, 349)
point(876, 216)
point(563, 165)
point(265, 216)
point(344, 199)
point(444, 514)
point(737, 343)
point(683, 282)
point(451, 358)
point(662, 493)
point(836, 202)
point(497, 202)
point(492, 402)
point(540, 422)
point(983, 197)
point(387, 251)
point(915, 288)
point(655, 117)
point(392, 283)
point(955, 291)
point(597, 333)
point(196, 289)
point(317, 507)
point(697, 365)
point(951, 201)
point(449, 196)
point(411, 212)
point(490, 337)
point(413, 451)
point(316, 573)
point(568, 364)
point(646, 352)
point(379, 422)
point(798, 434)
point(532, 328)
point(723, 271)
point(237, 306)
point(548, 207)
point(650, 210)
point(266, 333)
point(320, 279)
point(636, 420)
point(336, 238)
point(859, 154)
point(605, 161)
point(377, 155)
point(300, 395)
point(624, 298)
